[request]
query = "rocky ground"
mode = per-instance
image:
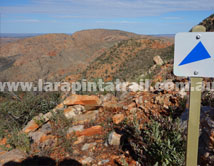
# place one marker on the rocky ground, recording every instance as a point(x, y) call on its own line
point(91, 129)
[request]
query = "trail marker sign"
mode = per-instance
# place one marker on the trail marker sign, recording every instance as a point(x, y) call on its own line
point(194, 58)
point(194, 54)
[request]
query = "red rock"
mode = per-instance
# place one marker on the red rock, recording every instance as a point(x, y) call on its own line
point(31, 126)
point(3, 141)
point(82, 100)
point(118, 118)
point(60, 106)
point(90, 131)
point(46, 137)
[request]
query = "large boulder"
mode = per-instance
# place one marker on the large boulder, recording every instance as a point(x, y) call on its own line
point(82, 100)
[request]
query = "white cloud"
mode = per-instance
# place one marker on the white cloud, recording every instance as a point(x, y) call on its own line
point(109, 8)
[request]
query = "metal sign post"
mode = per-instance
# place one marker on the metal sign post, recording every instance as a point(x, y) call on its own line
point(194, 115)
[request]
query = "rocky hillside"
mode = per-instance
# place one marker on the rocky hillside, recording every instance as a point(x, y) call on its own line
point(209, 23)
point(130, 129)
point(53, 56)
point(130, 59)
point(4, 40)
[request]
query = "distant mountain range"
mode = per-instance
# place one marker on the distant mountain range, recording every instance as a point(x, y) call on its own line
point(19, 35)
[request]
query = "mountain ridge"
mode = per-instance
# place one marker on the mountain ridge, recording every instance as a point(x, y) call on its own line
point(52, 56)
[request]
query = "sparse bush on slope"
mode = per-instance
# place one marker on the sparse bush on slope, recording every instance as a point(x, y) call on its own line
point(15, 113)
point(129, 59)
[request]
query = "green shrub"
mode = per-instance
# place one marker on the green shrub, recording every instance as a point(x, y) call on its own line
point(160, 142)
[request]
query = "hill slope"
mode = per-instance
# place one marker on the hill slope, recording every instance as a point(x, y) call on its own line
point(209, 23)
point(129, 59)
point(53, 56)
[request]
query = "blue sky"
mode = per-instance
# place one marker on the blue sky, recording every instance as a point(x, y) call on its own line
point(68, 16)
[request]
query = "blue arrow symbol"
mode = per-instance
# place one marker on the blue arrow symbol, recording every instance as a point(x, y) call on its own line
point(197, 54)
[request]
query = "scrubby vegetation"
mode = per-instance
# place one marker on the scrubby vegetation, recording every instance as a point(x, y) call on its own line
point(142, 62)
point(60, 125)
point(16, 110)
point(160, 142)
point(129, 59)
